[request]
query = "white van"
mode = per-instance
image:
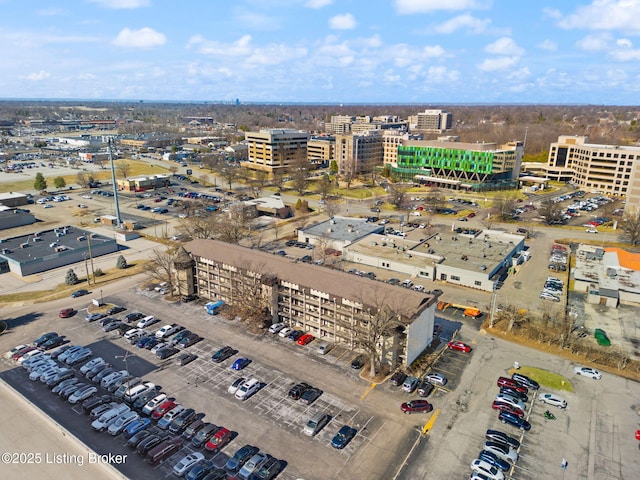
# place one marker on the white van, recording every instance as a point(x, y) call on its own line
point(134, 392)
point(146, 321)
point(247, 389)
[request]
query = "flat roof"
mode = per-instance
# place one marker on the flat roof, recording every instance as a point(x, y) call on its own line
point(7, 195)
point(344, 229)
point(44, 247)
point(333, 282)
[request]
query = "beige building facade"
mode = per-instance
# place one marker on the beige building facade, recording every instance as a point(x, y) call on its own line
point(275, 149)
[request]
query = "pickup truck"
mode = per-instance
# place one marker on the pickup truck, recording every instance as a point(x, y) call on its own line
point(168, 330)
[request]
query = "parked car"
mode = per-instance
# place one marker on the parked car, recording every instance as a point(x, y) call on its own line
point(310, 395)
point(436, 379)
point(252, 465)
point(588, 372)
point(240, 363)
point(513, 384)
point(425, 388)
point(358, 362)
point(514, 420)
point(316, 423)
point(218, 439)
point(398, 378)
point(82, 394)
point(67, 312)
point(410, 384)
point(504, 407)
point(488, 470)
point(204, 434)
point(343, 437)
point(80, 293)
point(186, 462)
point(233, 388)
point(305, 339)
point(247, 389)
point(510, 400)
point(52, 343)
point(224, 353)
point(115, 309)
point(240, 457)
point(501, 437)
point(92, 317)
point(459, 346)
point(276, 327)
point(504, 452)
point(151, 405)
point(494, 460)
point(416, 406)
point(186, 358)
point(515, 393)
point(552, 399)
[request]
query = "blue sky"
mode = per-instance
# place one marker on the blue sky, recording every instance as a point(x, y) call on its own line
point(335, 51)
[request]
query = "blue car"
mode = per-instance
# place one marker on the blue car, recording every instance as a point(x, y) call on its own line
point(494, 460)
point(142, 342)
point(343, 437)
point(136, 426)
point(240, 363)
point(152, 343)
point(514, 421)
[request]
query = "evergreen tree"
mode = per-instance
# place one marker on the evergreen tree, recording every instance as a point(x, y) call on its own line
point(71, 278)
point(59, 182)
point(121, 263)
point(40, 183)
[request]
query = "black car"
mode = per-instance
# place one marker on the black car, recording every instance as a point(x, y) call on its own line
point(189, 298)
point(241, 457)
point(97, 378)
point(60, 351)
point(179, 336)
point(189, 340)
point(92, 403)
point(133, 317)
point(501, 437)
point(397, 378)
point(115, 309)
point(186, 358)
point(358, 362)
point(222, 354)
point(492, 459)
point(109, 327)
point(526, 381)
point(193, 428)
point(269, 469)
point(106, 320)
point(124, 328)
point(52, 343)
point(182, 420)
point(295, 335)
point(425, 388)
point(43, 338)
point(137, 438)
point(310, 395)
point(513, 420)
point(166, 352)
point(297, 390)
point(142, 400)
point(515, 393)
point(151, 441)
point(204, 434)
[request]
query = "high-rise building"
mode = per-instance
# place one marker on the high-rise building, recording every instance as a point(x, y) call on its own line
point(321, 150)
point(273, 149)
point(432, 121)
point(359, 153)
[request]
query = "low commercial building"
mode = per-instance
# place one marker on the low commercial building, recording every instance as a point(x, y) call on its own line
point(338, 232)
point(609, 276)
point(329, 304)
point(473, 258)
point(42, 251)
point(13, 199)
point(143, 183)
point(15, 217)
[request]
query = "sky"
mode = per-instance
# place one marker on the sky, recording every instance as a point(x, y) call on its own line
point(323, 51)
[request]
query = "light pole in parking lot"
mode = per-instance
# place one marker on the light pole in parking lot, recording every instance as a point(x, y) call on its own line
point(492, 312)
point(124, 357)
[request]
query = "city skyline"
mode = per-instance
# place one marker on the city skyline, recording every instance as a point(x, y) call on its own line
point(323, 51)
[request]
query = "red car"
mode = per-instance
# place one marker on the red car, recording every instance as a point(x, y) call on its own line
point(304, 339)
point(510, 383)
point(163, 408)
point(416, 406)
point(637, 434)
point(16, 356)
point(219, 440)
point(503, 407)
point(459, 346)
point(66, 312)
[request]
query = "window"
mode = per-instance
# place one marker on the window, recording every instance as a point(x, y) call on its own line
point(454, 278)
point(477, 283)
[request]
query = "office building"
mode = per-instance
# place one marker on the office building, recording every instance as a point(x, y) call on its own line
point(359, 153)
point(431, 121)
point(275, 149)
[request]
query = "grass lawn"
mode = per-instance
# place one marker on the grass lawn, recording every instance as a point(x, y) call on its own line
point(545, 378)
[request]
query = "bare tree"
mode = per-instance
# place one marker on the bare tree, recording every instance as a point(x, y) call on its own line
point(348, 171)
point(331, 207)
point(299, 171)
point(325, 185)
point(630, 225)
point(83, 179)
point(503, 206)
point(161, 267)
point(435, 200)
point(101, 161)
point(551, 212)
point(123, 168)
point(204, 180)
point(277, 179)
point(229, 173)
point(488, 221)
point(250, 300)
point(236, 226)
point(257, 181)
point(198, 227)
point(397, 195)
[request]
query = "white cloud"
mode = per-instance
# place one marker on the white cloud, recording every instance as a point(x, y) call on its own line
point(318, 3)
point(344, 21)
point(625, 55)
point(605, 15)
point(36, 76)
point(594, 43)
point(250, 19)
point(466, 21)
point(239, 48)
point(520, 74)
point(548, 45)
point(504, 46)
point(144, 38)
point(624, 42)
point(425, 6)
point(498, 63)
point(122, 4)
point(441, 74)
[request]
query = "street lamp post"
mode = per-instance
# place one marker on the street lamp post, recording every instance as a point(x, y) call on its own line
point(124, 357)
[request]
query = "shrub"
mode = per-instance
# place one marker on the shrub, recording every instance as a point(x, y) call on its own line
point(121, 263)
point(71, 278)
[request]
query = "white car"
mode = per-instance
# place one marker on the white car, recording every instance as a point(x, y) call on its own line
point(122, 421)
point(134, 332)
point(552, 399)
point(36, 373)
point(511, 400)
point(147, 321)
point(284, 332)
point(82, 394)
point(187, 462)
point(153, 403)
point(588, 372)
point(233, 388)
point(276, 327)
point(502, 451)
point(155, 349)
point(108, 417)
point(90, 364)
point(113, 377)
point(487, 469)
point(436, 379)
point(549, 296)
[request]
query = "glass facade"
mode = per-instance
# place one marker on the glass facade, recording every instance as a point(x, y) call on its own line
point(468, 161)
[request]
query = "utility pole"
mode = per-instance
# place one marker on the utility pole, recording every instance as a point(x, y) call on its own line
point(86, 269)
point(115, 185)
point(124, 357)
point(93, 273)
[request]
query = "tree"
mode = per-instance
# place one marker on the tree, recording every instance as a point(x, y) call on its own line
point(230, 173)
point(83, 179)
point(204, 180)
point(277, 179)
point(249, 300)
point(630, 226)
point(331, 207)
point(161, 267)
point(40, 183)
point(348, 171)
point(299, 170)
point(257, 181)
point(551, 212)
point(503, 206)
point(121, 263)
point(71, 278)
point(59, 182)
point(324, 187)
point(123, 169)
point(397, 195)
point(434, 201)
point(333, 167)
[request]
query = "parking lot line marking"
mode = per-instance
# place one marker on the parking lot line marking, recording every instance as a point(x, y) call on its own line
point(427, 426)
point(367, 391)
